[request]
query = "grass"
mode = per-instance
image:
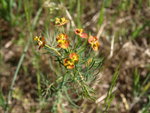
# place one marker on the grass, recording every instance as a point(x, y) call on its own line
point(140, 90)
point(2, 100)
point(31, 18)
point(30, 27)
point(110, 94)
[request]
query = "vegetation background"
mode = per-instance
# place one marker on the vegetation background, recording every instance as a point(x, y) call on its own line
point(123, 29)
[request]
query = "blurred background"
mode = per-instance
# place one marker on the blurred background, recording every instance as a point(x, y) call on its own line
point(123, 29)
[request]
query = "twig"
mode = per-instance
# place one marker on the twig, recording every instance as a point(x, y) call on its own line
point(124, 100)
point(121, 20)
point(104, 96)
point(112, 47)
point(70, 18)
point(100, 30)
point(94, 18)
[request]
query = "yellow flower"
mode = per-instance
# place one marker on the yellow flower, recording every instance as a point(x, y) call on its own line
point(95, 46)
point(62, 36)
point(63, 44)
point(92, 39)
point(57, 20)
point(61, 21)
point(40, 41)
point(69, 64)
point(78, 31)
point(94, 42)
point(81, 33)
point(74, 57)
point(64, 20)
point(36, 38)
point(62, 40)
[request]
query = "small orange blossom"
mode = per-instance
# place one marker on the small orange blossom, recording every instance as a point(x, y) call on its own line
point(81, 33)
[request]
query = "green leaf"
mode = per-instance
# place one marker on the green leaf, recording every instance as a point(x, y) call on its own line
point(139, 29)
point(101, 16)
point(110, 95)
point(136, 82)
point(2, 100)
point(69, 99)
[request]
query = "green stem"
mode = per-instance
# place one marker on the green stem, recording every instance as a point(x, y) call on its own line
point(53, 49)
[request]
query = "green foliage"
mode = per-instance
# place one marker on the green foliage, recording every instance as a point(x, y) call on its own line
point(101, 16)
point(136, 33)
point(146, 107)
point(136, 82)
point(5, 9)
point(110, 94)
point(141, 89)
point(2, 100)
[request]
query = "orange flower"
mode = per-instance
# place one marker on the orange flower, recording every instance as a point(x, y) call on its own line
point(78, 31)
point(62, 36)
point(61, 21)
point(81, 33)
point(74, 57)
point(92, 39)
point(63, 44)
point(69, 64)
point(40, 41)
point(95, 45)
point(94, 42)
point(62, 40)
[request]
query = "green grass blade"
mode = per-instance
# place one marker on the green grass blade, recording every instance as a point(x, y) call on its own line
point(110, 95)
point(2, 100)
point(30, 27)
point(101, 16)
point(136, 82)
point(70, 100)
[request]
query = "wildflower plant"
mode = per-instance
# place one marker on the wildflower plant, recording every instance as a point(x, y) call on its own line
point(77, 59)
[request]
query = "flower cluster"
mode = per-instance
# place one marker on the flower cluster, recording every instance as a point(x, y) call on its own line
point(70, 62)
point(40, 41)
point(62, 40)
point(61, 21)
point(93, 41)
